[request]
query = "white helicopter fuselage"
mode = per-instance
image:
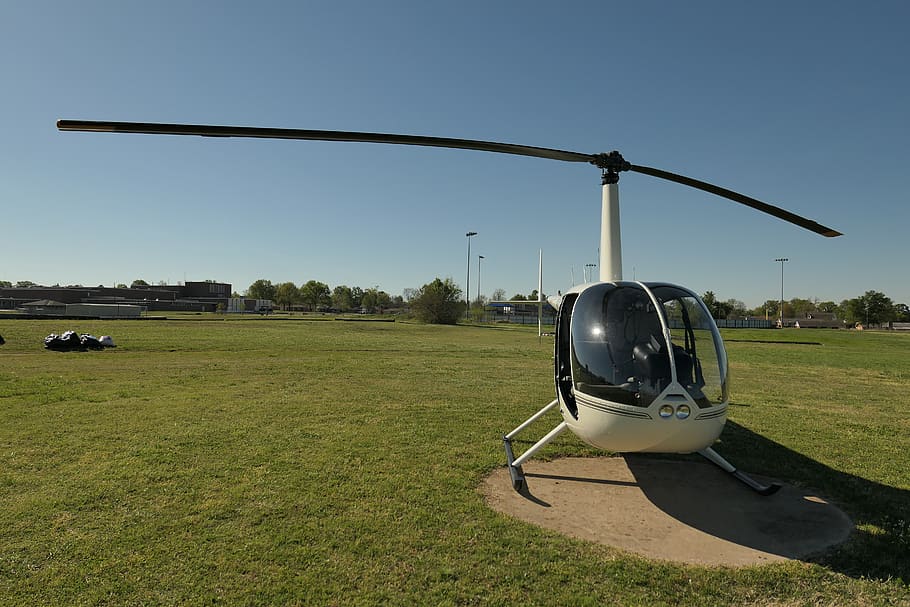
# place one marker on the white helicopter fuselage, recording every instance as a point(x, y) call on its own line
point(640, 367)
point(620, 428)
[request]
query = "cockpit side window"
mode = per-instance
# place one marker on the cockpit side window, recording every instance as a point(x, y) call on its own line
point(698, 350)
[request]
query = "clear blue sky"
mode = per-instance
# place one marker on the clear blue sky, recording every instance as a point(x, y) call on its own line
point(803, 105)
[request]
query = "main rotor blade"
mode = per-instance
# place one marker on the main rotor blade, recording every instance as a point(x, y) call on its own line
point(740, 198)
point(273, 133)
point(612, 161)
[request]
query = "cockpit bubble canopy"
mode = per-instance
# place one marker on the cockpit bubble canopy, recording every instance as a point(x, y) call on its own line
point(622, 335)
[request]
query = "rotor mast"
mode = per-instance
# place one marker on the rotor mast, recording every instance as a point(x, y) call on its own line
point(610, 235)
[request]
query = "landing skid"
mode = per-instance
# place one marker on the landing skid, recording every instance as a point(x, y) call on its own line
point(515, 470)
point(519, 483)
point(517, 474)
point(744, 478)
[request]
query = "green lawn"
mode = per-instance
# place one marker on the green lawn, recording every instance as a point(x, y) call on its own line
point(276, 461)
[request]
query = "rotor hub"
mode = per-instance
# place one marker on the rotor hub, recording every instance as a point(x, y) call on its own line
point(611, 162)
point(609, 177)
point(611, 165)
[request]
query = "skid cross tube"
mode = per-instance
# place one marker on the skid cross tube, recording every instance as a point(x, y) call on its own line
point(515, 471)
point(536, 446)
point(531, 420)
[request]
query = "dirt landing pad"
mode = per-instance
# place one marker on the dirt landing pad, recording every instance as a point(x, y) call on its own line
point(682, 511)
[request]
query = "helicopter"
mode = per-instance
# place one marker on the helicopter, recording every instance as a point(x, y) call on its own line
point(638, 366)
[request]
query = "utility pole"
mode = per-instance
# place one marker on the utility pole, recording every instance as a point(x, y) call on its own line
point(467, 286)
point(781, 260)
point(479, 258)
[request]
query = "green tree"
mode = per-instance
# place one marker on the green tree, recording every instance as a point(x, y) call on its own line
point(342, 299)
point(22, 284)
point(286, 294)
point(851, 310)
point(315, 294)
point(438, 302)
point(871, 308)
point(5, 284)
point(383, 300)
point(718, 309)
point(878, 307)
point(901, 312)
point(373, 299)
point(737, 308)
point(261, 289)
point(356, 297)
point(138, 283)
point(368, 300)
point(801, 307)
point(826, 306)
point(769, 309)
point(709, 298)
point(519, 297)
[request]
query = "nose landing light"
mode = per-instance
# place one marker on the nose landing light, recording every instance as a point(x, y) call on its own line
point(667, 411)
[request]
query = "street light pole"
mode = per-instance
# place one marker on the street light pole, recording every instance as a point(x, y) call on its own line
point(467, 286)
point(781, 260)
point(479, 258)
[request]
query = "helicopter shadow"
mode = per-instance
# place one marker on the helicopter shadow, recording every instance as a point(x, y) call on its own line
point(879, 536)
point(525, 492)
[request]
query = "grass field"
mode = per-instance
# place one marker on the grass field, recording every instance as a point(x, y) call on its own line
point(281, 462)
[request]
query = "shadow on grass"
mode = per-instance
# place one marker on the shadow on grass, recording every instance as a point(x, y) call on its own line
point(712, 501)
point(880, 544)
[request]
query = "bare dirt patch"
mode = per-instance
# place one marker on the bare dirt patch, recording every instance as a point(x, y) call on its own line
point(682, 511)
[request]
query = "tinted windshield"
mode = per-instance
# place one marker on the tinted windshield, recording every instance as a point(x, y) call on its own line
point(701, 364)
point(617, 342)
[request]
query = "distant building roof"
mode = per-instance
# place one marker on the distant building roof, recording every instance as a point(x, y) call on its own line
point(44, 303)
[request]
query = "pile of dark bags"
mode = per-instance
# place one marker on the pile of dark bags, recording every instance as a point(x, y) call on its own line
point(72, 341)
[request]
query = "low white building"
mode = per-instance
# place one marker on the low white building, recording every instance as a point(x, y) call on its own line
point(246, 305)
point(45, 307)
point(103, 310)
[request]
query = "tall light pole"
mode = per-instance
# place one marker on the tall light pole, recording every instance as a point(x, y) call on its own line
point(467, 286)
point(781, 260)
point(479, 258)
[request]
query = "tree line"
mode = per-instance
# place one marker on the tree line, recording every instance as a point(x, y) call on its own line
point(314, 295)
point(437, 302)
point(441, 301)
point(870, 308)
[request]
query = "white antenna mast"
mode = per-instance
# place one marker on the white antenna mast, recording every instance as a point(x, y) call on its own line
point(540, 294)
